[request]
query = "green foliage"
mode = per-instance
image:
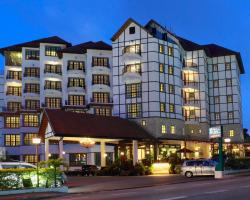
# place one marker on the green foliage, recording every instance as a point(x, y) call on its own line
point(237, 163)
point(173, 160)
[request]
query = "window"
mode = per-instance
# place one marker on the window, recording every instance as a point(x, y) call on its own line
point(163, 129)
point(132, 49)
point(217, 116)
point(12, 122)
point(231, 133)
point(170, 69)
point(133, 110)
point(53, 85)
point(101, 97)
point(135, 68)
point(216, 83)
point(172, 129)
point(100, 61)
point(14, 106)
point(77, 159)
point(100, 79)
point(76, 100)
point(28, 138)
point(32, 104)
point(191, 96)
point(170, 51)
point(12, 90)
point(32, 72)
point(31, 120)
point(171, 89)
point(30, 159)
point(161, 48)
point(215, 67)
point(132, 30)
point(162, 107)
point(192, 131)
point(12, 140)
point(51, 102)
point(16, 75)
point(13, 58)
point(133, 90)
point(192, 114)
point(228, 82)
point(56, 69)
point(161, 67)
point(32, 88)
point(171, 108)
point(162, 89)
point(52, 50)
point(230, 115)
point(216, 99)
point(200, 131)
point(32, 54)
point(76, 65)
point(102, 111)
point(228, 66)
point(76, 82)
point(143, 123)
point(229, 98)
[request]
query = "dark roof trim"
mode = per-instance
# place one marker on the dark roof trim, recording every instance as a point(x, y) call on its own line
point(35, 44)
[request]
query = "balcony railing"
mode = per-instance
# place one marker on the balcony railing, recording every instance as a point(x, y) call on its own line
point(68, 103)
point(101, 83)
point(101, 101)
point(52, 72)
point(31, 75)
point(136, 68)
point(191, 118)
point(52, 88)
point(18, 78)
point(190, 83)
point(31, 91)
point(136, 49)
point(100, 65)
point(191, 101)
point(14, 93)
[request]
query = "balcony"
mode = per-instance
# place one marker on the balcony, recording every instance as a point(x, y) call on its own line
point(68, 104)
point(14, 78)
point(132, 52)
point(132, 73)
point(101, 87)
point(76, 89)
point(101, 101)
point(191, 119)
point(190, 85)
point(190, 67)
point(53, 74)
point(191, 103)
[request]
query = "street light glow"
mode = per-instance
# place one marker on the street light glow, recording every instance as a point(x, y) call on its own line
point(36, 140)
point(227, 140)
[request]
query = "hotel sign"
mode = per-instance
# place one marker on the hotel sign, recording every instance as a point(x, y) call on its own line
point(215, 132)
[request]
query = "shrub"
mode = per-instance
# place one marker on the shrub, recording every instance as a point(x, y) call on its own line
point(237, 163)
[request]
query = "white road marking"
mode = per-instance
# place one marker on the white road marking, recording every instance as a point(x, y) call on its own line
point(174, 198)
point(216, 191)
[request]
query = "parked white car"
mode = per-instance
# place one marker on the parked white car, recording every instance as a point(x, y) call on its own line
point(14, 165)
point(192, 168)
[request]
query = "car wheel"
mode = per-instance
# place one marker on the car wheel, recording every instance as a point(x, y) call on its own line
point(189, 174)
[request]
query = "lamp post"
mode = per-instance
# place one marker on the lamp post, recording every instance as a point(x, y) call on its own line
point(36, 141)
point(87, 143)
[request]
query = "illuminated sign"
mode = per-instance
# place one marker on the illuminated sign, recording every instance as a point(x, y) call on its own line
point(215, 132)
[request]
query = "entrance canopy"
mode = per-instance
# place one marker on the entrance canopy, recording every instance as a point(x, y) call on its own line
point(60, 123)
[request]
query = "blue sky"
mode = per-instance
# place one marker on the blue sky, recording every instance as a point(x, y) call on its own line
point(225, 22)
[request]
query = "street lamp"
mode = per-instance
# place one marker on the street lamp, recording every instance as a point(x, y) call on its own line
point(36, 141)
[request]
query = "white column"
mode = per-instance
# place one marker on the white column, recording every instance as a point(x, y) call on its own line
point(61, 147)
point(103, 154)
point(135, 151)
point(90, 157)
point(46, 149)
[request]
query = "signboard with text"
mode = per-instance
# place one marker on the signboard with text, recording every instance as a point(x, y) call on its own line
point(214, 132)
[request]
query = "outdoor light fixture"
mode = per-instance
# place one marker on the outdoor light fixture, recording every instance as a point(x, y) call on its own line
point(122, 153)
point(87, 142)
point(63, 152)
point(36, 140)
point(227, 140)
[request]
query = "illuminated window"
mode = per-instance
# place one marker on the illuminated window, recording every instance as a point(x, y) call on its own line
point(132, 49)
point(216, 83)
point(162, 107)
point(31, 54)
point(31, 120)
point(52, 102)
point(28, 138)
point(30, 159)
point(77, 159)
point(228, 66)
point(230, 115)
point(32, 104)
point(102, 111)
point(231, 133)
point(216, 99)
point(100, 79)
point(13, 58)
point(76, 100)
point(12, 122)
point(200, 131)
point(76, 82)
point(133, 110)
point(12, 139)
point(172, 129)
point(143, 123)
point(171, 89)
point(133, 68)
point(32, 72)
point(215, 67)
point(133, 90)
point(170, 51)
point(170, 69)
point(192, 131)
point(12, 90)
point(51, 50)
point(100, 61)
point(101, 97)
point(162, 89)
point(56, 69)
point(228, 82)
point(191, 96)
point(14, 106)
point(161, 48)
point(163, 129)
point(53, 85)
point(217, 116)
point(32, 88)
point(76, 65)
point(171, 108)
point(161, 67)
point(16, 75)
point(229, 98)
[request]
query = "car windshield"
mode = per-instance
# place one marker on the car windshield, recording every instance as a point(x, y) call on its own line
point(26, 166)
point(9, 166)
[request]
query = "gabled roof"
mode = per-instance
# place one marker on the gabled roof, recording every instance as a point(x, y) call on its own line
point(82, 48)
point(35, 44)
point(124, 26)
point(71, 124)
point(188, 45)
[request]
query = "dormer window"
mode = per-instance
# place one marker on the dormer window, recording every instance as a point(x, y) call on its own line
point(132, 30)
point(153, 31)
